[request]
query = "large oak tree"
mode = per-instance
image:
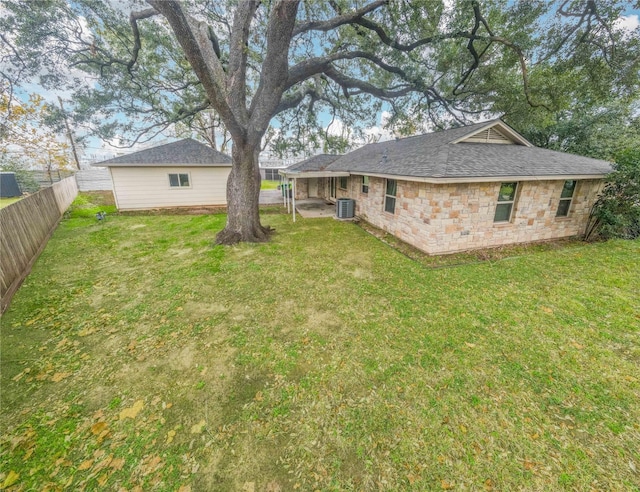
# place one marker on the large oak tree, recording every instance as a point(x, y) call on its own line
point(297, 61)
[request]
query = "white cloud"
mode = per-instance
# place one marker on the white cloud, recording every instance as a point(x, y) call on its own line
point(628, 23)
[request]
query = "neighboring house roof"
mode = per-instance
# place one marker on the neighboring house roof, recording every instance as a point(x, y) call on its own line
point(316, 163)
point(186, 152)
point(487, 150)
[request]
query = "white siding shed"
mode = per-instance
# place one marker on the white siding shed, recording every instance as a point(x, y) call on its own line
point(180, 174)
point(148, 187)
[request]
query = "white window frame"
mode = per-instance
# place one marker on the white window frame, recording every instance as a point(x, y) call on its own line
point(511, 203)
point(566, 199)
point(180, 185)
point(365, 185)
point(387, 196)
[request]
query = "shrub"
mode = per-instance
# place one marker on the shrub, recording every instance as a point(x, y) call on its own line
point(616, 212)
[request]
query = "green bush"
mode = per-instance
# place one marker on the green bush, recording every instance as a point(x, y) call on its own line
point(616, 212)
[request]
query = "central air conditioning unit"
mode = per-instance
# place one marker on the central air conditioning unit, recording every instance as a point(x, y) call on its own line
point(345, 208)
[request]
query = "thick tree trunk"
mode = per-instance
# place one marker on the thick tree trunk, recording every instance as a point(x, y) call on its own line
point(243, 193)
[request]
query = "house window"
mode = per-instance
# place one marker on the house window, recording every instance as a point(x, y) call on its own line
point(390, 196)
point(271, 175)
point(565, 198)
point(506, 197)
point(179, 180)
point(365, 184)
point(343, 183)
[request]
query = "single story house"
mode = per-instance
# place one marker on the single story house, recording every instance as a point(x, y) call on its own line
point(477, 186)
point(185, 173)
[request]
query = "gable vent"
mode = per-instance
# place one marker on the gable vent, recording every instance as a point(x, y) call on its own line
point(490, 135)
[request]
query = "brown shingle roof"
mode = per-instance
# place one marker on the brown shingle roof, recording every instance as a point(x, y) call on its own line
point(435, 155)
point(186, 152)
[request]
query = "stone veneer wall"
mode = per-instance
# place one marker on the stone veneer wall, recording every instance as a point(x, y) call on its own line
point(457, 217)
point(302, 189)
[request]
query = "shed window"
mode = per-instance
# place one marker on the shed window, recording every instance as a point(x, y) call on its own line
point(271, 174)
point(565, 198)
point(506, 198)
point(390, 196)
point(365, 184)
point(179, 180)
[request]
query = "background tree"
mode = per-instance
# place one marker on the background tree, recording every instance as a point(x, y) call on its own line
point(207, 127)
point(25, 140)
point(297, 62)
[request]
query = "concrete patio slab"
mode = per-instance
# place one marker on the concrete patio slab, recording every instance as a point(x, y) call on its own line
point(315, 208)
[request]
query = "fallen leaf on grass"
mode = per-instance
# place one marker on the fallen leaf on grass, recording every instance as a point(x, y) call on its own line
point(198, 428)
point(577, 345)
point(85, 465)
point(117, 464)
point(98, 427)
point(152, 465)
point(528, 465)
point(20, 375)
point(42, 376)
point(12, 478)
point(184, 488)
point(258, 396)
point(29, 452)
point(488, 484)
point(59, 376)
point(170, 435)
point(446, 485)
point(132, 412)
point(249, 487)
point(470, 345)
point(86, 332)
point(412, 478)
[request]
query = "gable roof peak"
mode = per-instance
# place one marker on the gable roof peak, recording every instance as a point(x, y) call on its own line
point(492, 131)
point(184, 152)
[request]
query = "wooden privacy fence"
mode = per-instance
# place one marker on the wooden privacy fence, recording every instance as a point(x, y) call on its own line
point(25, 229)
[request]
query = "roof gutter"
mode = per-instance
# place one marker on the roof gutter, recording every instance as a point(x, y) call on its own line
point(482, 179)
point(313, 174)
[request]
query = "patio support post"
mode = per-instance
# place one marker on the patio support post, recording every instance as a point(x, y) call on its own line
point(293, 203)
point(286, 194)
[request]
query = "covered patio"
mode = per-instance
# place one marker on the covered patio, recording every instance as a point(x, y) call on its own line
point(313, 208)
point(312, 188)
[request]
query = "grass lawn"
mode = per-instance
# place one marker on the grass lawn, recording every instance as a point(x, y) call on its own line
point(8, 201)
point(136, 356)
point(269, 185)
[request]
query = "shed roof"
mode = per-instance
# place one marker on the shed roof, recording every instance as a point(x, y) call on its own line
point(186, 152)
point(456, 154)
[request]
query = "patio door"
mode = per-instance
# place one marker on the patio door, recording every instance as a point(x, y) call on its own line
point(332, 189)
point(313, 187)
